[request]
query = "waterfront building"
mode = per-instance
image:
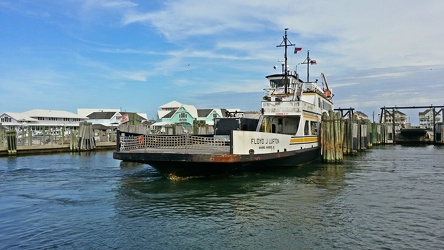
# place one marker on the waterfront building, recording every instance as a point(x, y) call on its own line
point(400, 119)
point(113, 119)
point(184, 116)
point(106, 121)
point(426, 119)
point(360, 115)
point(41, 119)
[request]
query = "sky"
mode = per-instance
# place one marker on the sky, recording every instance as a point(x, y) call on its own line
point(138, 55)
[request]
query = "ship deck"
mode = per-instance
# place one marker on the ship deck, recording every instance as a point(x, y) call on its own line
point(176, 151)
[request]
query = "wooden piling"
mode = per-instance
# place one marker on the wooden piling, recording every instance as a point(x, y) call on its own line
point(332, 137)
point(86, 139)
point(12, 142)
point(73, 141)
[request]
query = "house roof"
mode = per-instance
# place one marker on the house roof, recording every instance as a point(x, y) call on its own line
point(86, 112)
point(161, 113)
point(360, 113)
point(191, 109)
point(396, 112)
point(51, 113)
point(172, 104)
point(170, 114)
point(138, 116)
point(101, 115)
point(20, 117)
point(425, 112)
point(204, 112)
point(99, 126)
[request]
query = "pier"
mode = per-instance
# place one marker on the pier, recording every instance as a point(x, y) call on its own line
point(389, 113)
point(26, 143)
point(343, 134)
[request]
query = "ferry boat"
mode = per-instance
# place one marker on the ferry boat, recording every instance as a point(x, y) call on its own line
point(287, 133)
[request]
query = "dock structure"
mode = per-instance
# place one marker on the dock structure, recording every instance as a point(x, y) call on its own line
point(13, 143)
point(343, 134)
point(437, 128)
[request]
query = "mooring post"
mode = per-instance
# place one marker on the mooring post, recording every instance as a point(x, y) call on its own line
point(117, 140)
point(338, 137)
point(12, 142)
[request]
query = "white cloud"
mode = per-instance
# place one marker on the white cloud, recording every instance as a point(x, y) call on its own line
point(369, 50)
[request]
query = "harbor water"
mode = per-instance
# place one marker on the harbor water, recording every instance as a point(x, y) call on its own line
point(388, 197)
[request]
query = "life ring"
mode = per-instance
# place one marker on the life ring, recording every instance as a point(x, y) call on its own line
point(141, 139)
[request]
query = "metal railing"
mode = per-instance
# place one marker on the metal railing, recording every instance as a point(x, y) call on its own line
point(132, 142)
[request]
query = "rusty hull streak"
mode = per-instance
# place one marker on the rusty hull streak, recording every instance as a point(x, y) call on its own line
point(229, 158)
point(225, 158)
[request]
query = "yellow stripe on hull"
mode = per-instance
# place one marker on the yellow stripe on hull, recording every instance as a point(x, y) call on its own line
point(308, 139)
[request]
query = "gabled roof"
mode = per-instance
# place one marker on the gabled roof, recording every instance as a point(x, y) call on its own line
point(203, 112)
point(101, 115)
point(86, 112)
point(99, 126)
point(425, 112)
point(20, 117)
point(51, 113)
point(173, 104)
point(190, 109)
point(162, 113)
point(170, 114)
point(360, 113)
point(396, 112)
point(138, 116)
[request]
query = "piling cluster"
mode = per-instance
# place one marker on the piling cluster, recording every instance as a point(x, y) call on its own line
point(12, 142)
point(346, 136)
point(79, 140)
point(86, 137)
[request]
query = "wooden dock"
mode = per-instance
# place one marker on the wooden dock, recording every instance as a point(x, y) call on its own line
point(50, 149)
point(25, 143)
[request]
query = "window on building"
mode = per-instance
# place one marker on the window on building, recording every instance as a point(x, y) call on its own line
point(6, 119)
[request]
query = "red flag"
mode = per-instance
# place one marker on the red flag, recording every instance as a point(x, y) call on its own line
point(313, 62)
point(296, 50)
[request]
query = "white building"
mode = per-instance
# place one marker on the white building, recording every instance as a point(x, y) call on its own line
point(110, 117)
point(38, 119)
point(426, 119)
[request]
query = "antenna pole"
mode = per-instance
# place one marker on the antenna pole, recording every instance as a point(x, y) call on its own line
point(285, 43)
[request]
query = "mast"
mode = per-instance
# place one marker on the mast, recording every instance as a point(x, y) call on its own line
point(285, 43)
point(308, 61)
point(308, 65)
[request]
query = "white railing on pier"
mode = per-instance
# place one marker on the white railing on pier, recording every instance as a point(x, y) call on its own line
point(128, 143)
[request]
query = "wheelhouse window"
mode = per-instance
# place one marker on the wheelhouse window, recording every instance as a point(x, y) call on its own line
point(278, 83)
point(314, 127)
point(306, 128)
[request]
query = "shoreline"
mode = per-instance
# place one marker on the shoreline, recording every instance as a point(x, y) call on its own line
point(49, 149)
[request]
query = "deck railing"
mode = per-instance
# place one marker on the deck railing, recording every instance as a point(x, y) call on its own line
point(131, 142)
